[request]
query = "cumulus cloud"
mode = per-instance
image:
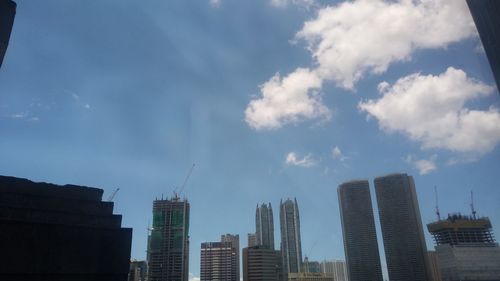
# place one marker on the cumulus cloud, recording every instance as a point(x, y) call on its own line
point(286, 100)
point(293, 160)
point(432, 110)
point(357, 37)
point(424, 166)
point(349, 41)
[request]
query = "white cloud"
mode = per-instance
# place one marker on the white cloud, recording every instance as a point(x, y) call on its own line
point(424, 166)
point(337, 154)
point(287, 100)
point(293, 160)
point(432, 110)
point(284, 3)
point(215, 3)
point(193, 278)
point(351, 40)
point(19, 115)
point(366, 36)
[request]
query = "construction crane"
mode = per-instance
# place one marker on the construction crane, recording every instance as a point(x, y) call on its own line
point(110, 198)
point(181, 188)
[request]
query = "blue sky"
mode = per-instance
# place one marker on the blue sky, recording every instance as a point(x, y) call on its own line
point(270, 98)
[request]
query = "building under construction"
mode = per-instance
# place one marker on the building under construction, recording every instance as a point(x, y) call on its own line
point(466, 248)
point(168, 244)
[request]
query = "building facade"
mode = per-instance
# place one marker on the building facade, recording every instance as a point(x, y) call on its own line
point(54, 232)
point(466, 248)
point(291, 248)
point(358, 229)
point(235, 242)
point(168, 245)
point(335, 267)
point(435, 272)
point(311, 266)
point(264, 226)
point(252, 240)
point(402, 231)
point(310, 276)
point(218, 262)
point(262, 264)
point(485, 14)
point(138, 271)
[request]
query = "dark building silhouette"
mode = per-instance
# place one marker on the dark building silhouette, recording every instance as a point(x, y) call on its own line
point(264, 226)
point(466, 248)
point(7, 14)
point(262, 264)
point(358, 229)
point(291, 248)
point(402, 231)
point(486, 17)
point(53, 232)
point(168, 245)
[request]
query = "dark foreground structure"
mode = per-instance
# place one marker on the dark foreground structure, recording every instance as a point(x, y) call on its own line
point(7, 14)
point(54, 233)
point(486, 14)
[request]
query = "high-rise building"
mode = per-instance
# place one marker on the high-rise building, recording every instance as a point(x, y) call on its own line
point(53, 232)
point(485, 14)
point(138, 271)
point(252, 240)
point(310, 276)
point(291, 249)
point(264, 226)
point(262, 264)
point(168, 245)
point(402, 231)
point(466, 248)
point(7, 14)
point(358, 229)
point(336, 267)
point(218, 262)
point(235, 242)
point(435, 272)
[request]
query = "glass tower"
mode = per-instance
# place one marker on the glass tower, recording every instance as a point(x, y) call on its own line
point(264, 226)
point(290, 236)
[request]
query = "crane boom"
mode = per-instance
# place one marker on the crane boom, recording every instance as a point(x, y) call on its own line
point(110, 198)
point(181, 188)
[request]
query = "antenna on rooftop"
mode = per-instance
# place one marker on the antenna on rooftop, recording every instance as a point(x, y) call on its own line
point(437, 203)
point(472, 204)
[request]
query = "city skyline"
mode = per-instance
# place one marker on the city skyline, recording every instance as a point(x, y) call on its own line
point(126, 94)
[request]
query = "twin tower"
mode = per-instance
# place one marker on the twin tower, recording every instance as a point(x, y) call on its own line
point(400, 221)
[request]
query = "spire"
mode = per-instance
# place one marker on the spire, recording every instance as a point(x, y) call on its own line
point(437, 203)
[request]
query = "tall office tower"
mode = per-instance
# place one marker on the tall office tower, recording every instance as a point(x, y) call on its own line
point(53, 232)
point(264, 226)
point(485, 14)
point(310, 276)
point(336, 267)
point(235, 241)
point(262, 264)
point(252, 240)
point(168, 245)
point(7, 14)
point(466, 248)
point(218, 262)
point(291, 249)
point(435, 273)
point(358, 229)
point(138, 271)
point(402, 231)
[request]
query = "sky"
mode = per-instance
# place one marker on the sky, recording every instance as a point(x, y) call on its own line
point(271, 99)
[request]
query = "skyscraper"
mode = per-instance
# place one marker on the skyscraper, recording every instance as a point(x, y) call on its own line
point(291, 249)
point(486, 17)
point(168, 245)
point(264, 226)
point(358, 229)
point(335, 267)
point(402, 231)
point(235, 242)
point(219, 262)
point(466, 248)
point(7, 14)
point(262, 264)
point(252, 240)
